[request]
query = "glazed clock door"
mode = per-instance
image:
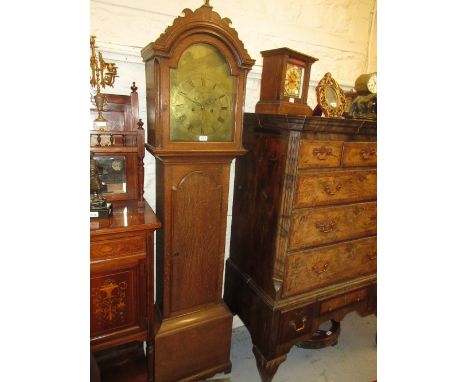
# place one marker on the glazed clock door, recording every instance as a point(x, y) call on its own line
point(202, 96)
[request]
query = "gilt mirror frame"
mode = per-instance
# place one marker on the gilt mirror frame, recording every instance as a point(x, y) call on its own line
point(326, 84)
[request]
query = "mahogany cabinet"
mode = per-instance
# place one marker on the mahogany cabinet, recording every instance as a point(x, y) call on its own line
point(303, 241)
point(121, 264)
point(122, 249)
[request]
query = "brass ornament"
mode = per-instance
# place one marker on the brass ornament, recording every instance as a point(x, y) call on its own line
point(102, 74)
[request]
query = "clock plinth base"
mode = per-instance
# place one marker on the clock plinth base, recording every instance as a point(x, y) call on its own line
point(277, 107)
point(187, 347)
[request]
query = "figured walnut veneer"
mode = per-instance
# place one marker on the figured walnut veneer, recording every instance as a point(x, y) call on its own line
point(303, 239)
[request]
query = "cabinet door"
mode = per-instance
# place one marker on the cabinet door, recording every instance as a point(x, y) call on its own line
point(118, 309)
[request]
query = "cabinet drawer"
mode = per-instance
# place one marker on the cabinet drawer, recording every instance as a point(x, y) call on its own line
point(319, 154)
point(296, 323)
point(117, 247)
point(359, 154)
point(343, 300)
point(319, 267)
point(335, 187)
point(316, 226)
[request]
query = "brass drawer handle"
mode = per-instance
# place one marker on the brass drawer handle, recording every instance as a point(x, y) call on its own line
point(372, 257)
point(322, 152)
point(292, 324)
point(326, 227)
point(366, 153)
point(332, 191)
point(325, 267)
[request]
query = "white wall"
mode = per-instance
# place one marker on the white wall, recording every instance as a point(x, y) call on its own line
point(340, 33)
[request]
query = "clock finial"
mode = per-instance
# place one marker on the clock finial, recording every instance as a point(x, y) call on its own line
point(207, 3)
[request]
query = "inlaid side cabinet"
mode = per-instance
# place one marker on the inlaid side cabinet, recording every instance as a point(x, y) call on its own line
point(303, 240)
point(122, 249)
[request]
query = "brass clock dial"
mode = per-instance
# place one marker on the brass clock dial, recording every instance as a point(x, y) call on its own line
point(202, 92)
point(366, 83)
point(293, 81)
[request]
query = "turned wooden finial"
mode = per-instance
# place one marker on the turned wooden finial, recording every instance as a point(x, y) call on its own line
point(133, 87)
point(140, 124)
point(207, 3)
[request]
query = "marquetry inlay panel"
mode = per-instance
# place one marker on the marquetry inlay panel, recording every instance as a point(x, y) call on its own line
point(112, 297)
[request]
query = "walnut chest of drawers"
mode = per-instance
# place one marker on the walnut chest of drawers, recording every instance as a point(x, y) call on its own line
point(303, 242)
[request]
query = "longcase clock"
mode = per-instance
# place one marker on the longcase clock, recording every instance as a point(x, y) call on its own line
point(195, 79)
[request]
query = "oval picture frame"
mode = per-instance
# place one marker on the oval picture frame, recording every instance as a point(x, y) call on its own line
point(330, 97)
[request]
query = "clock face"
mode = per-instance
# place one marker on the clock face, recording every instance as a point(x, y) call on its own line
point(117, 165)
point(293, 81)
point(372, 83)
point(202, 97)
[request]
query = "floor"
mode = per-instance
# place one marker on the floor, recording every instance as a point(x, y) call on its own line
point(353, 359)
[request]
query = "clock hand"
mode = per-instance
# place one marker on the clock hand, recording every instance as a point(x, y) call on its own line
point(185, 96)
point(213, 100)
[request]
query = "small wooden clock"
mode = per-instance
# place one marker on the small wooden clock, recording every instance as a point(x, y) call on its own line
point(285, 82)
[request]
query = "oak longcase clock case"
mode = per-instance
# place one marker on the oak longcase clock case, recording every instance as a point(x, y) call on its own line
point(195, 81)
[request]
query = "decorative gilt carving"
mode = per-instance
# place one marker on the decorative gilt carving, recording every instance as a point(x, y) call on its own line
point(330, 97)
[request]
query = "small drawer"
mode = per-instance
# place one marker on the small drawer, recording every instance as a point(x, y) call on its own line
point(316, 268)
point(118, 247)
point(316, 226)
point(324, 188)
point(296, 323)
point(359, 154)
point(319, 154)
point(343, 300)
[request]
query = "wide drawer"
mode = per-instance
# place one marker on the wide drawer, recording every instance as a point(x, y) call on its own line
point(343, 300)
point(359, 154)
point(316, 226)
point(118, 247)
point(317, 189)
point(296, 322)
point(323, 266)
point(319, 154)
